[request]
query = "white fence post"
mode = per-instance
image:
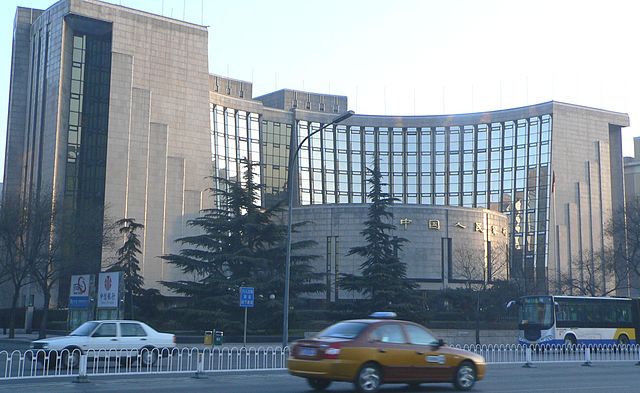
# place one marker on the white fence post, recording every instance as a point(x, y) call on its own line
point(638, 347)
point(82, 370)
point(529, 363)
point(200, 367)
point(587, 357)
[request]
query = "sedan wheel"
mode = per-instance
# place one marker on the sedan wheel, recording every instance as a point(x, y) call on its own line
point(70, 358)
point(149, 356)
point(319, 384)
point(369, 378)
point(465, 376)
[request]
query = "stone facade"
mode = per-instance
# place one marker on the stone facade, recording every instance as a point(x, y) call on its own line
point(158, 150)
point(447, 247)
point(552, 173)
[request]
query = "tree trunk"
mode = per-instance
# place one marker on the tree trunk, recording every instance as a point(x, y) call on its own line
point(12, 314)
point(45, 315)
point(478, 317)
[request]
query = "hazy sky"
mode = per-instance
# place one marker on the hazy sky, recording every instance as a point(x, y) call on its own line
point(408, 57)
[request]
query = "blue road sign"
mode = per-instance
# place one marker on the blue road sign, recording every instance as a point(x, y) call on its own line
point(246, 297)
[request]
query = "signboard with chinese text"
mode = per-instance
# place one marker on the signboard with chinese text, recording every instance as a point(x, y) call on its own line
point(108, 287)
point(246, 297)
point(79, 292)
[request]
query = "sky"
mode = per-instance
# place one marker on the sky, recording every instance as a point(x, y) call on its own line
point(407, 57)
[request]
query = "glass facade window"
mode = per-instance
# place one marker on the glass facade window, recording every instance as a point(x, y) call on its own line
point(86, 137)
point(501, 165)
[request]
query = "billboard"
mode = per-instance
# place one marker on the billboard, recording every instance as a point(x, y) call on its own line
point(79, 293)
point(108, 290)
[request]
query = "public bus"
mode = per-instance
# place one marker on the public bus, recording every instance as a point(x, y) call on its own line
point(571, 320)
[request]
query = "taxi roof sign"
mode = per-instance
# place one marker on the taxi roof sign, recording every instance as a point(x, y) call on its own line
point(383, 315)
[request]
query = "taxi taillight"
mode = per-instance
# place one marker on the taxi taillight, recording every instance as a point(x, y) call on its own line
point(332, 352)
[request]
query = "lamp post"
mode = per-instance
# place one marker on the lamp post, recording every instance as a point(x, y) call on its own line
point(287, 269)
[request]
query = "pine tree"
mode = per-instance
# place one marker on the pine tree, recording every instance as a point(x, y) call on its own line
point(383, 278)
point(240, 243)
point(128, 261)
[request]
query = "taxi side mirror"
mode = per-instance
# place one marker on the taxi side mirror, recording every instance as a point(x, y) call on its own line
point(440, 343)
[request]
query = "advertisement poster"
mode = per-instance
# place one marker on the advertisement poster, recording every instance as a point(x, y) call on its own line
point(108, 290)
point(79, 292)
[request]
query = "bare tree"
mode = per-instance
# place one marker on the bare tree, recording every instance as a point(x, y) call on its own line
point(469, 266)
point(16, 223)
point(594, 274)
point(480, 271)
point(42, 250)
point(624, 229)
point(111, 239)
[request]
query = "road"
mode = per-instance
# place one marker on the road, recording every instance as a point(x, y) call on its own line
point(544, 378)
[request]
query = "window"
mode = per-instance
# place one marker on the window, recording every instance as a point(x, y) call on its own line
point(106, 330)
point(389, 333)
point(343, 330)
point(418, 335)
point(131, 330)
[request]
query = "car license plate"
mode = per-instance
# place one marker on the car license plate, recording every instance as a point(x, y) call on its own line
point(305, 351)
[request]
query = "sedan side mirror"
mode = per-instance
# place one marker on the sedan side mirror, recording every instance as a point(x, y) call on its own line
point(440, 343)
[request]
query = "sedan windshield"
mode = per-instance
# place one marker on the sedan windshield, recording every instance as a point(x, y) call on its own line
point(85, 329)
point(343, 330)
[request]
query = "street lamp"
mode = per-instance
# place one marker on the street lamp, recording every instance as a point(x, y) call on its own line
point(287, 269)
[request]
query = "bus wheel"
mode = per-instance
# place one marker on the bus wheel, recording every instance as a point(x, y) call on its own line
point(570, 341)
point(623, 339)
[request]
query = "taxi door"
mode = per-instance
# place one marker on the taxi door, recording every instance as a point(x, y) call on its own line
point(429, 364)
point(392, 351)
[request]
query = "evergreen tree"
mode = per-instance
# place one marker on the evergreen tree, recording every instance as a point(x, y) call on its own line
point(128, 261)
point(240, 243)
point(384, 276)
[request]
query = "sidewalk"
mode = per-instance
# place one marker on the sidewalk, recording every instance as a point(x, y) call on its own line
point(20, 337)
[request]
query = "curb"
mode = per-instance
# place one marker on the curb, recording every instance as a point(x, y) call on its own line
point(15, 340)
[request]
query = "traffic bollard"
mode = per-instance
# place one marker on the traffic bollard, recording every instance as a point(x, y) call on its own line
point(587, 357)
point(200, 367)
point(82, 370)
point(529, 362)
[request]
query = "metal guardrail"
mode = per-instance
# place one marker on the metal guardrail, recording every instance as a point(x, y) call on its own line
point(65, 363)
point(197, 361)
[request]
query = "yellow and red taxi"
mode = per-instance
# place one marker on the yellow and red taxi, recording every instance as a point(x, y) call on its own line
point(377, 350)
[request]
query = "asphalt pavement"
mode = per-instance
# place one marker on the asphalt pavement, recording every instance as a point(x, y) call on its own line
point(621, 377)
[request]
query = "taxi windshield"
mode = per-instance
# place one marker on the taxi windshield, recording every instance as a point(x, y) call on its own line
point(343, 330)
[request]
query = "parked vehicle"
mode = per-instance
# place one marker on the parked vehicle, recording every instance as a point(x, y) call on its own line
point(129, 338)
point(377, 350)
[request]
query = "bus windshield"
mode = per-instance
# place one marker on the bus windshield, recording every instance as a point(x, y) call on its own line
point(537, 311)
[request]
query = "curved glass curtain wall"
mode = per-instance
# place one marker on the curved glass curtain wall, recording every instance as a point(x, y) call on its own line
point(502, 166)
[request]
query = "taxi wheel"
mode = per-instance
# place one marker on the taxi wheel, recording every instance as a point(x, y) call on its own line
point(369, 378)
point(319, 384)
point(465, 376)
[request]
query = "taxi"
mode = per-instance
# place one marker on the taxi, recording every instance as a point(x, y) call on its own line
point(381, 349)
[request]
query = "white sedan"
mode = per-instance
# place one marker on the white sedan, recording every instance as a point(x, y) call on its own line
point(106, 337)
